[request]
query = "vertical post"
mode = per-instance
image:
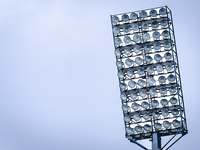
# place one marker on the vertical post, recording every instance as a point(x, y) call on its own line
point(156, 141)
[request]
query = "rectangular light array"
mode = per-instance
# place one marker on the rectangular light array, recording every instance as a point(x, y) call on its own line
point(148, 71)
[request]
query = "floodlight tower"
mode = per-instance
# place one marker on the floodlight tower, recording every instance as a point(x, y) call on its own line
point(149, 76)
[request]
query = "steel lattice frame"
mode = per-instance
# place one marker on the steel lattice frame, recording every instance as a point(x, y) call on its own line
point(173, 89)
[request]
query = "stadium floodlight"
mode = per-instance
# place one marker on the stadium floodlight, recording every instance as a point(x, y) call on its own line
point(149, 76)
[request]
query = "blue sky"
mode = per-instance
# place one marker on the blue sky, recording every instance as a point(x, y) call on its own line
point(59, 85)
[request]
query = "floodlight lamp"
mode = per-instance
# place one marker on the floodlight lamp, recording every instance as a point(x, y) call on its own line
point(158, 126)
point(165, 33)
point(133, 95)
point(175, 112)
point(134, 16)
point(146, 36)
point(166, 124)
point(118, 41)
point(127, 39)
point(135, 27)
point(145, 25)
point(127, 118)
point(163, 91)
point(129, 130)
point(156, 35)
point(165, 112)
point(120, 74)
point(147, 47)
point(163, 22)
point(143, 93)
point(116, 30)
point(123, 96)
point(147, 127)
point(135, 106)
point(115, 19)
point(131, 84)
point(159, 68)
point(136, 38)
point(155, 103)
point(173, 100)
point(154, 24)
point(148, 59)
point(119, 64)
point(168, 66)
point(143, 14)
point(127, 51)
point(157, 57)
point(138, 60)
point(152, 92)
point(136, 117)
point(168, 55)
point(156, 45)
point(145, 105)
point(167, 44)
point(176, 123)
point(150, 69)
point(129, 62)
point(117, 53)
point(172, 89)
point(171, 78)
point(153, 13)
point(162, 11)
point(122, 86)
point(137, 49)
point(151, 80)
point(146, 116)
point(156, 114)
point(138, 129)
point(125, 17)
point(126, 29)
point(164, 102)
point(141, 82)
point(140, 71)
point(130, 73)
point(162, 79)
point(125, 108)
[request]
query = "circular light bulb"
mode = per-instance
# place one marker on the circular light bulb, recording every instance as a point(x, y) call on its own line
point(155, 24)
point(117, 53)
point(129, 62)
point(130, 73)
point(159, 68)
point(173, 100)
point(138, 129)
point(119, 64)
point(140, 71)
point(150, 69)
point(162, 79)
point(166, 124)
point(126, 29)
point(167, 44)
point(164, 102)
point(116, 30)
point(141, 82)
point(147, 47)
point(145, 25)
point(125, 108)
point(134, 16)
point(136, 38)
point(146, 36)
point(148, 59)
point(127, 51)
point(115, 19)
point(143, 14)
point(127, 119)
point(136, 117)
point(151, 80)
point(153, 13)
point(156, 35)
point(171, 78)
point(123, 96)
point(135, 106)
point(165, 112)
point(165, 33)
point(137, 49)
point(143, 93)
point(152, 92)
point(145, 105)
point(162, 11)
point(156, 114)
point(172, 89)
point(125, 17)
point(127, 39)
point(118, 41)
point(155, 103)
point(175, 112)
point(163, 91)
point(146, 116)
point(121, 75)
point(122, 86)
point(176, 123)
point(131, 84)
point(133, 95)
point(158, 126)
point(156, 45)
point(157, 57)
point(168, 55)
point(147, 127)
point(135, 27)
point(168, 66)
point(138, 60)
point(163, 22)
point(129, 130)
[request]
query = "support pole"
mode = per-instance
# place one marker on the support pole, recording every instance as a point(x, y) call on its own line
point(156, 141)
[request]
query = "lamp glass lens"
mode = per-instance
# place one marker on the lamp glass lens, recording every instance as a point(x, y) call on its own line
point(133, 16)
point(135, 106)
point(153, 13)
point(126, 29)
point(133, 95)
point(145, 25)
point(135, 27)
point(125, 17)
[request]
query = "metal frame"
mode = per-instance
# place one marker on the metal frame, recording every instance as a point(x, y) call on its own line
point(153, 133)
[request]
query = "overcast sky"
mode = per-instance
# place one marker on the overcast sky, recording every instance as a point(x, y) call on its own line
point(58, 78)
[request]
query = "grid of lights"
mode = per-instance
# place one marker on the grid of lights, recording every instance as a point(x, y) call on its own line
point(148, 71)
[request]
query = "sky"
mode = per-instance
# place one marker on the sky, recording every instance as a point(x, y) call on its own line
point(58, 81)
